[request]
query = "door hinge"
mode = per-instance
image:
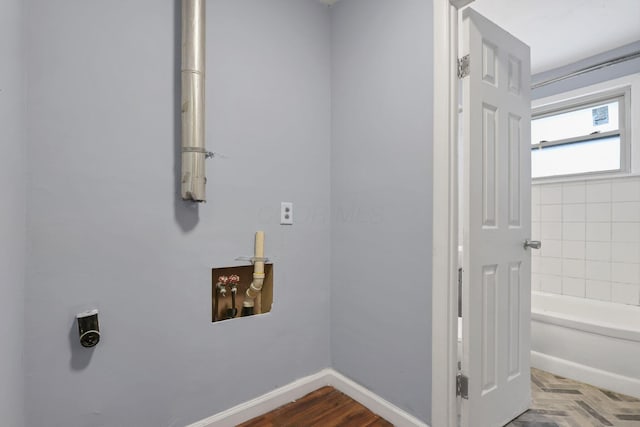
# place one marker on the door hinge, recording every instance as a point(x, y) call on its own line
point(462, 386)
point(460, 292)
point(463, 66)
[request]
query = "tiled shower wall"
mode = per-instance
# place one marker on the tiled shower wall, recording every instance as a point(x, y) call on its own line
point(590, 233)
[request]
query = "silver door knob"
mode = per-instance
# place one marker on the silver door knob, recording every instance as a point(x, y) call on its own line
point(533, 244)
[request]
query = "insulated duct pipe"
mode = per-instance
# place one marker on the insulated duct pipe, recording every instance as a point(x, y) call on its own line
point(258, 275)
point(193, 64)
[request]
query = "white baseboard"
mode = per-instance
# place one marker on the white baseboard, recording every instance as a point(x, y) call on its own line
point(586, 374)
point(295, 390)
point(267, 402)
point(373, 402)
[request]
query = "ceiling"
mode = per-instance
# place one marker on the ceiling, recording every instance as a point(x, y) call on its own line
point(564, 31)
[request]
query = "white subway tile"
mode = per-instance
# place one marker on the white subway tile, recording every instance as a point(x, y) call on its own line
point(551, 248)
point(625, 293)
point(573, 231)
point(535, 194)
point(573, 268)
point(549, 283)
point(551, 230)
point(625, 232)
point(535, 264)
point(598, 251)
point(623, 272)
point(625, 252)
point(574, 212)
point(535, 213)
point(535, 282)
point(574, 287)
point(599, 231)
point(550, 213)
point(551, 266)
point(625, 190)
point(598, 212)
point(598, 192)
point(572, 249)
point(574, 192)
point(626, 211)
point(598, 270)
point(596, 289)
point(551, 195)
point(535, 231)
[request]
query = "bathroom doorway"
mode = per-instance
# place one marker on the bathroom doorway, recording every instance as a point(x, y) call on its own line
point(493, 192)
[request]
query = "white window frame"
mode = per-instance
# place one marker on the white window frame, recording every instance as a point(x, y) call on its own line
point(628, 88)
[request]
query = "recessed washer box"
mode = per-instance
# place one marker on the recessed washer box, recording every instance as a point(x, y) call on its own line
point(221, 302)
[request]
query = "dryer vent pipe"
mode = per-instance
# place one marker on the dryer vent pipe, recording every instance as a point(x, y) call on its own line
point(193, 65)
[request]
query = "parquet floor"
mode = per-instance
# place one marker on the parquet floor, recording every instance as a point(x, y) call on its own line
point(561, 402)
point(325, 407)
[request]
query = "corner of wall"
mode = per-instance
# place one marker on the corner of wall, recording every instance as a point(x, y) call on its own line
point(13, 215)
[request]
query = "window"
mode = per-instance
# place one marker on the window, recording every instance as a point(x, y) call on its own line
point(582, 136)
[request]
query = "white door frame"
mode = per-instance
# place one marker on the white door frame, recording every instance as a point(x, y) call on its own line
point(444, 336)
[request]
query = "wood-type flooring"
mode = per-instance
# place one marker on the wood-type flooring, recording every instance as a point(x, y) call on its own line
point(557, 402)
point(325, 407)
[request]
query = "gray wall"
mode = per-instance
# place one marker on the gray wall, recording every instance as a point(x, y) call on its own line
point(106, 229)
point(12, 213)
point(381, 198)
point(591, 78)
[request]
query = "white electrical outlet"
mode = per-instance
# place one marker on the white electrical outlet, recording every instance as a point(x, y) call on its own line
point(286, 213)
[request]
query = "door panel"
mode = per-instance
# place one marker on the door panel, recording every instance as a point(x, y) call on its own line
point(497, 221)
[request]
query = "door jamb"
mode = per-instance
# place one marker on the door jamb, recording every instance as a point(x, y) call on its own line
point(444, 337)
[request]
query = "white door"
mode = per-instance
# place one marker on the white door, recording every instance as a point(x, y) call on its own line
point(497, 221)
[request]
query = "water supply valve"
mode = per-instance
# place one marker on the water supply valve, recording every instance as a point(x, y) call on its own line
point(222, 285)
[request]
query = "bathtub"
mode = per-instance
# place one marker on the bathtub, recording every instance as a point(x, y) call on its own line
point(591, 341)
